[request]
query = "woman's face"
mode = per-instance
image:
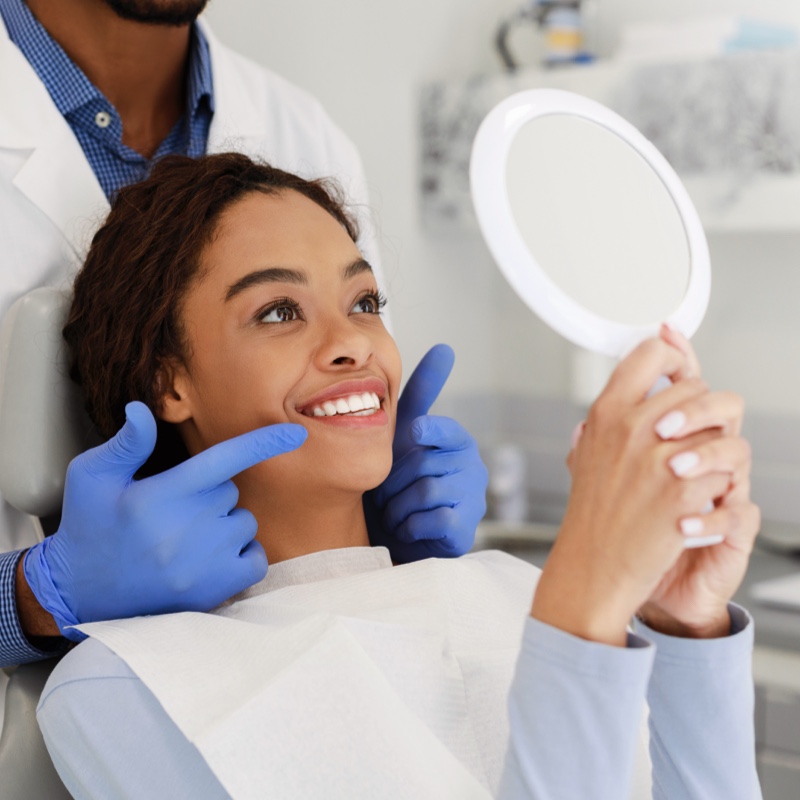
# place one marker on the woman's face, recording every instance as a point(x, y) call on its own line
point(283, 326)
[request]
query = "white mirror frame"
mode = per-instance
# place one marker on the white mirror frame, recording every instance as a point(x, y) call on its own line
point(496, 220)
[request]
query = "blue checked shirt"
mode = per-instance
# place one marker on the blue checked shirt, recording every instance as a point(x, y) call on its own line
point(94, 121)
point(98, 128)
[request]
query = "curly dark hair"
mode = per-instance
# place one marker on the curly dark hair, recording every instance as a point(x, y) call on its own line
point(124, 323)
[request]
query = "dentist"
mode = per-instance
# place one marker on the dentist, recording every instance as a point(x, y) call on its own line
point(91, 93)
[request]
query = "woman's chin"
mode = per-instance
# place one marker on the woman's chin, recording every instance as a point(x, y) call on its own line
point(323, 473)
point(362, 477)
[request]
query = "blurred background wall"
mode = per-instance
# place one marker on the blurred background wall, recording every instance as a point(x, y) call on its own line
point(366, 61)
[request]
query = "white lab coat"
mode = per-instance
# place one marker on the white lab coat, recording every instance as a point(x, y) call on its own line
point(51, 202)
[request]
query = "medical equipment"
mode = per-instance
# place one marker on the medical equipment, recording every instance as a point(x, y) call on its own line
point(564, 24)
point(588, 223)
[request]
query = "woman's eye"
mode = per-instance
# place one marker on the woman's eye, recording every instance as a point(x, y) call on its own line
point(281, 313)
point(369, 304)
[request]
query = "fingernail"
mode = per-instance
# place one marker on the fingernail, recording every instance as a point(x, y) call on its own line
point(692, 526)
point(668, 426)
point(683, 463)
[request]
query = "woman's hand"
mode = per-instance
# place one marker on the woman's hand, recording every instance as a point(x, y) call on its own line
point(692, 597)
point(623, 534)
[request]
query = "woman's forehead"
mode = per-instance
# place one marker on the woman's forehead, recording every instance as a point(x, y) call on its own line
point(284, 227)
point(278, 237)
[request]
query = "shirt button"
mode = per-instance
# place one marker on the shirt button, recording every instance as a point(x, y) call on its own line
point(102, 119)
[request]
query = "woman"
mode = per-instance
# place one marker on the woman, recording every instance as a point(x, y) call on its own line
point(229, 296)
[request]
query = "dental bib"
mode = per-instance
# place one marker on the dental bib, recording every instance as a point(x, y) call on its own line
point(340, 676)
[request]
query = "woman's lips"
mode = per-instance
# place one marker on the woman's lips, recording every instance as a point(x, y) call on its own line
point(362, 405)
point(354, 399)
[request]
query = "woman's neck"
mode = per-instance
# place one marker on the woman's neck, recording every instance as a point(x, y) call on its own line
point(298, 525)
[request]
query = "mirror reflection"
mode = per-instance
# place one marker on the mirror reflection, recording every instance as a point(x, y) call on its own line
point(598, 219)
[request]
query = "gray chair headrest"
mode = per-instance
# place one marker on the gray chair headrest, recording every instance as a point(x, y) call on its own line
point(43, 425)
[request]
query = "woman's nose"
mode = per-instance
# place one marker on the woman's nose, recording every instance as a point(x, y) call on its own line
point(344, 343)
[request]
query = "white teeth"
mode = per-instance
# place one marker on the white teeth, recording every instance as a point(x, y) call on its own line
point(356, 403)
point(360, 405)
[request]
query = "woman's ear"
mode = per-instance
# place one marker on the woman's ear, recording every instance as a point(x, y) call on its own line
point(172, 390)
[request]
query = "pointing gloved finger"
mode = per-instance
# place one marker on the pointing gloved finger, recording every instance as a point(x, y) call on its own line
point(123, 454)
point(422, 389)
point(225, 460)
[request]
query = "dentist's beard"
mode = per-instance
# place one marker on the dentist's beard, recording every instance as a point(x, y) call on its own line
point(158, 12)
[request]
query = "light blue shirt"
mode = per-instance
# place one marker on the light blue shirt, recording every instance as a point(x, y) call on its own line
point(575, 706)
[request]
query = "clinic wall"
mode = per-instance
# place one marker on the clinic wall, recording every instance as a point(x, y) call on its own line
point(365, 59)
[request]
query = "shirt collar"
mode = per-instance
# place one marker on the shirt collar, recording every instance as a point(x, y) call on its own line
point(200, 84)
point(320, 566)
point(66, 83)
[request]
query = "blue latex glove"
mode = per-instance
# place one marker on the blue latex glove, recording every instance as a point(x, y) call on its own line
point(435, 494)
point(170, 542)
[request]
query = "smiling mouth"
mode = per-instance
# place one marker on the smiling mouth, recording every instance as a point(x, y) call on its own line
point(364, 404)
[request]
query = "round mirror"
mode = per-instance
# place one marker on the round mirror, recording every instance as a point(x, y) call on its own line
point(587, 221)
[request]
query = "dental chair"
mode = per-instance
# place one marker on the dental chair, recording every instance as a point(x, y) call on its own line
point(42, 427)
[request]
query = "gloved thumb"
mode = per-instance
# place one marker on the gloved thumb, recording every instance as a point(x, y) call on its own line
point(122, 455)
point(421, 391)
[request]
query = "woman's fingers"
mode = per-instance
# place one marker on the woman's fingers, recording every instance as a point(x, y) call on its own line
point(638, 372)
point(723, 410)
point(692, 498)
point(738, 524)
point(675, 338)
point(728, 454)
point(738, 502)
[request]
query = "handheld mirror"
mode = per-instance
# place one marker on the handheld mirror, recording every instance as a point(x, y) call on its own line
point(588, 222)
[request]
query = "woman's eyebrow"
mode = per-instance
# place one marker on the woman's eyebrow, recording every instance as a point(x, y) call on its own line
point(356, 268)
point(286, 275)
point(270, 275)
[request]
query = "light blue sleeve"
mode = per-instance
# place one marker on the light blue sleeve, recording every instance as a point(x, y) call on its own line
point(702, 732)
point(575, 711)
point(110, 739)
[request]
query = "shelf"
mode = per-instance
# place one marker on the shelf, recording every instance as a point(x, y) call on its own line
point(730, 126)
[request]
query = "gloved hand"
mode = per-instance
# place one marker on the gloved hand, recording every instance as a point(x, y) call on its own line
point(435, 495)
point(170, 542)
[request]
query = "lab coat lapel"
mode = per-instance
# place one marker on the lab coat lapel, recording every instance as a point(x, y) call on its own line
point(54, 173)
point(237, 124)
